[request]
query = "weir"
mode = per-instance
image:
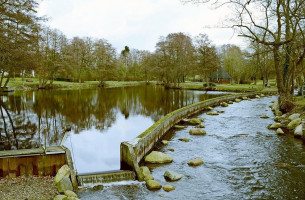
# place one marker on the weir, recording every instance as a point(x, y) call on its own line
point(105, 177)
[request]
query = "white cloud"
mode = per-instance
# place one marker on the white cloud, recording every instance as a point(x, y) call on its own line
point(136, 23)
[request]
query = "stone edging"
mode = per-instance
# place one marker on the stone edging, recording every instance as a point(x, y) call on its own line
point(132, 152)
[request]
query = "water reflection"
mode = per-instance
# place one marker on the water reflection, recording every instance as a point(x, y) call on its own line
point(94, 116)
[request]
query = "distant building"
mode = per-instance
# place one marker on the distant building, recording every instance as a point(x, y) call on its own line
point(220, 76)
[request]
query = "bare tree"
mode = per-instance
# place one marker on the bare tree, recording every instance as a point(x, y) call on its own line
point(275, 24)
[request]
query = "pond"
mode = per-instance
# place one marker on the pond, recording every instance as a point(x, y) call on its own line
point(99, 119)
point(242, 160)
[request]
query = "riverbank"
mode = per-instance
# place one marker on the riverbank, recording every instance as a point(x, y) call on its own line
point(230, 87)
point(19, 85)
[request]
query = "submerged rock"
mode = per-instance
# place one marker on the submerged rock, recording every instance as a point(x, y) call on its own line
point(237, 100)
point(220, 111)
point(165, 142)
point(158, 158)
point(212, 113)
point(294, 123)
point(168, 188)
point(153, 185)
point(179, 127)
point(146, 173)
point(195, 162)
point(197, 131)
point(210, 108)
point(224, 104)
point(184, 139)
point(298, 132)
point(279, 131)
point(194, 121)
point(98, 187)
point(201, 126)
point(172, 176)
point(172, 150)
point(202, 119)
point(264, 117)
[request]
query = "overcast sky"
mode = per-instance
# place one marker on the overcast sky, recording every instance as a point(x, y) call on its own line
point(135, 23)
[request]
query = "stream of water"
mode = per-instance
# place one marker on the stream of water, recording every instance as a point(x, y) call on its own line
point(242, 160)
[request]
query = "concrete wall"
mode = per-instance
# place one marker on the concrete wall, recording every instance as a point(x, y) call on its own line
point(132, 152)
point(37, 162)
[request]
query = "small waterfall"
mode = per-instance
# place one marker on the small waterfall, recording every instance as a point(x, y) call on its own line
point(105, 177)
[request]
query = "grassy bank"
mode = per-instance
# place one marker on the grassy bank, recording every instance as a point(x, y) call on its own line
point(231, 87)
point(18, 84)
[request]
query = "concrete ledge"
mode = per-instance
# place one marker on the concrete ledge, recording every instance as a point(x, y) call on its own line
point(132, 152)
point(31, 152)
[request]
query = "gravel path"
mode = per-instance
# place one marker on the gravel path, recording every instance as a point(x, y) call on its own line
point(30, 188)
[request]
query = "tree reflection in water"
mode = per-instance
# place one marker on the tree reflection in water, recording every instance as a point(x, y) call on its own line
point(24, 115)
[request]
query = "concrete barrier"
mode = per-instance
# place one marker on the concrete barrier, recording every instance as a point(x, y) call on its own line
point(132, 152)
point(39, 162)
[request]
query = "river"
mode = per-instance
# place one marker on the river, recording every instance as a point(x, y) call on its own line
point(242, 160)
point(99, 119)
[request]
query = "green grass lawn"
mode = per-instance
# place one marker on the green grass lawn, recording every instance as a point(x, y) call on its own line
point(19, 85)
point(232, 87)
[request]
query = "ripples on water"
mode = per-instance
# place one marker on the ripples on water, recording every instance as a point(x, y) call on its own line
point(243, 160)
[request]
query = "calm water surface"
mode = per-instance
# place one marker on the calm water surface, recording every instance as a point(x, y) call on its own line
point(100, 119)
point(243, 160)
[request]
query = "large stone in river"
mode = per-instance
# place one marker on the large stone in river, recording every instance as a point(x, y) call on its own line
point(212, 113)
point(197, 131)
point(184, 139)
point(64, 185)
point(64, 171)
point(294, 123)
point(153, 185)
point(146, 173)
point(237, 100)
point(168, 188)
point(276, 126)
point(298, 132)
point(179, 127)
point(279, 131)
point(264, 117)
point(194, 121)
point(172, 176)
point(165, 142)
point(224, 104)
point(195, 162)
point(294, 116)
point(158, 158)
point(70, 193)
